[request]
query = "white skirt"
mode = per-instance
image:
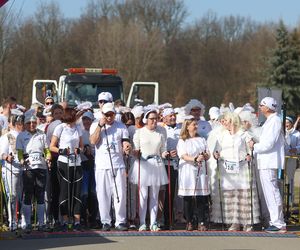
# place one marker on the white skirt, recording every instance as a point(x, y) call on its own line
point(152, 173)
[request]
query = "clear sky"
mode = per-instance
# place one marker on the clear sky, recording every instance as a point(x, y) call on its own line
point(257, 10)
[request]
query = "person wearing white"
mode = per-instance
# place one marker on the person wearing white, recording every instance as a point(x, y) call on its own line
point(234, 156)
point(32, 153)
point(67, 142)
point(12, 170)
point(103, 97)
point(149, 171)
point(193, 180)
point(270, 158)
point(111, 140)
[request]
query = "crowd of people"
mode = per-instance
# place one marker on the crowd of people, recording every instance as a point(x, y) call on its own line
point(68, 168)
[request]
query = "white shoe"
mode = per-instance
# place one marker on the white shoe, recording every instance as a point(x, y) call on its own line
point(247, 228)
point(154, 227)
point(234, 227)
point(143, 227)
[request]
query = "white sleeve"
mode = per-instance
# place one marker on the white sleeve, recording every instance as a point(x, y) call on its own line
point(136, 139)
point(269, 137)
point(4, 145)
point(181, 148)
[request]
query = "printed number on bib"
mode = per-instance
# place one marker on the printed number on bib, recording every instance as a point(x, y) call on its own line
point(231, 167)
point(35, 159)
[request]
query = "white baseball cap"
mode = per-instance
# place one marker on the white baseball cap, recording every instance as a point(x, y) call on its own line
point(269, 102)
point(108, 107)
point(105, 96)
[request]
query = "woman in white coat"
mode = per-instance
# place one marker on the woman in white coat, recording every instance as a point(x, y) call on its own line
point(234, 156)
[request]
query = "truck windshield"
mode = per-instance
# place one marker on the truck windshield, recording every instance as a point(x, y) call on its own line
point(81, 92)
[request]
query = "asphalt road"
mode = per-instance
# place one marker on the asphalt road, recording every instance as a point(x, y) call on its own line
point(155, 243)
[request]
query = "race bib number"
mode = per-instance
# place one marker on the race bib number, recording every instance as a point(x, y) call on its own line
point(35, 159)
point(231, 167)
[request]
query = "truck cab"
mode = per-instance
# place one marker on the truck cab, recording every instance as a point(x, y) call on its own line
point(84, 84)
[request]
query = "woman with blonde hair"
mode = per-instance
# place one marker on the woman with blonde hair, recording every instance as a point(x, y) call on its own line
point(240, 203)
point(192, 176)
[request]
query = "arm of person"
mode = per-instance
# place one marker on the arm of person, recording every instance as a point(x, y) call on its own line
point(95, 131)
point(268, 140)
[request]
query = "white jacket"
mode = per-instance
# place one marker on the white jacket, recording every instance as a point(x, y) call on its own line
point(270, 149)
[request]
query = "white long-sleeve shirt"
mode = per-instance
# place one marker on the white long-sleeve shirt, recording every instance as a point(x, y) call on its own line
point(270, 149)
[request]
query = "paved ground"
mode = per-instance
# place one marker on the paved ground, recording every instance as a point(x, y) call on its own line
point(111, 241)
point(155, 243)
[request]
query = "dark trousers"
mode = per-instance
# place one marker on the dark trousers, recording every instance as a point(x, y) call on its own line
point(196, 208)
point(88, 191)
point(70, 189)
point(53, 190)
point(34, 183)
point(173, 180)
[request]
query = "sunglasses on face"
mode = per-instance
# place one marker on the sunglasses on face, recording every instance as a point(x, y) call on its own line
point(109, 114)
point(103, 101)
point(49, 103)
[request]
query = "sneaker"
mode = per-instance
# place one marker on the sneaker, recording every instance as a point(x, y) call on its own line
point(122, 227)
point(202, 227)
point(189, 227)
point(234, 227)
point(132, 227)
point(154, 227)
point(28, 229)
point(105, 227)
point(143, 228)
point(44, 228)
point(78, 228)
point(247, 228)
point(273, 229)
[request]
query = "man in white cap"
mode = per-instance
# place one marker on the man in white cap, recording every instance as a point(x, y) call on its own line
point(270, 158)
point(173, 132)
point(111, 140)
point(103, 97)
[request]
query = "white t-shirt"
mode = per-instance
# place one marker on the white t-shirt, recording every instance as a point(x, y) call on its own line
point(68, 137)
point(33, 145)
point(115, 133)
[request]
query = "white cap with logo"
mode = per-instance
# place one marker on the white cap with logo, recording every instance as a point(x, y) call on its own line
point(269, 102)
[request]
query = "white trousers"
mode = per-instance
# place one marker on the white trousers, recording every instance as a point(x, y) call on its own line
point(105, 188)
point(13, 186)
point(153, 203)
point(269, 183)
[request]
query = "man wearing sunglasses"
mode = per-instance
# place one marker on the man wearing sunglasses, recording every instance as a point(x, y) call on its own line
point(270, 158)
point(103, 97)
point(111, 140)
